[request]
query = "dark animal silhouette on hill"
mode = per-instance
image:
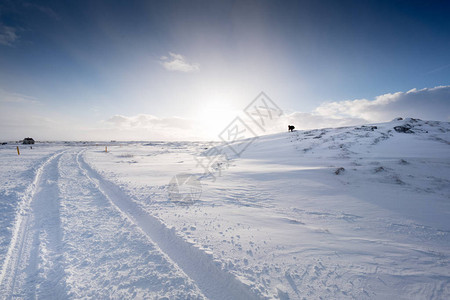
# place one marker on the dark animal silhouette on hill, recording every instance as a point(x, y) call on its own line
point(291, 128)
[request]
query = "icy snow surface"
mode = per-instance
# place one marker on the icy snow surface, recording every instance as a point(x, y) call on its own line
point(358, 212)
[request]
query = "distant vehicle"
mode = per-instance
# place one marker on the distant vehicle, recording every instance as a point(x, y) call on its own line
point(28, 141)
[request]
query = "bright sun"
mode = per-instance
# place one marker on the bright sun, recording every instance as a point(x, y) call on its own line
point(215, 120)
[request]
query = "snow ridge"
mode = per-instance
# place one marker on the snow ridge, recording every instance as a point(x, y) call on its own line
point(213, 281)
point(21, 258)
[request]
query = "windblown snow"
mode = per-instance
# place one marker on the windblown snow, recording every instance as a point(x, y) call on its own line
point(357, 212)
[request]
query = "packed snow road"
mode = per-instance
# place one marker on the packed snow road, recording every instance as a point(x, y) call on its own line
point(78, 236)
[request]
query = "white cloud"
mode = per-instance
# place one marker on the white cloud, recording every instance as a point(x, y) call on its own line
point(177, 62)
point(428, 103)
point(8, 35)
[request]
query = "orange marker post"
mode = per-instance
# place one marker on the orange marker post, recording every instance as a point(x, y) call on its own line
point(18, 152)
point(106, 148)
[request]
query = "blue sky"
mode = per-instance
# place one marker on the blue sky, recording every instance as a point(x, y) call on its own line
point(77, 67)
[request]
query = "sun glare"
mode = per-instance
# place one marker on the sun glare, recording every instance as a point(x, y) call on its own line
point(215, 116)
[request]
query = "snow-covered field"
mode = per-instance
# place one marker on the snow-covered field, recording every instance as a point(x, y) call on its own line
point(358, 212)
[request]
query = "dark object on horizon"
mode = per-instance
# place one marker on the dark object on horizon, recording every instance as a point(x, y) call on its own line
point(291, 128)
point(27, 141)
point(404, 129)
point(4, 143)
point(339, 171)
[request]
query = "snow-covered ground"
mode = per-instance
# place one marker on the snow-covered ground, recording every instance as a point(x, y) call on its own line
point(357, 212)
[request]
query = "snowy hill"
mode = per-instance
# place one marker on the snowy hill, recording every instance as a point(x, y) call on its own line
point(356, 212)
point(377, 158)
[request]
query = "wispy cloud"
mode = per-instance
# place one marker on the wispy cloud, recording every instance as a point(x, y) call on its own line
point(438, 69)
point(145, 127)
point(148, 121)
point(20, 121)
point(177, 62)
point(8, 97)
point(8, 35)
point(43, 9)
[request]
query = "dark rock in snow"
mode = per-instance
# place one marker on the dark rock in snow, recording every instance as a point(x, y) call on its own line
point(367, 128)
point(339, 171)
point(379, 169)
point(413, 120)
point(404, 129)
point(403, 162)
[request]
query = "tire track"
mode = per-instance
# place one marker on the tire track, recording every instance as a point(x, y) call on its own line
point(106, 255)
point(214, 282)
point(36, 226)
